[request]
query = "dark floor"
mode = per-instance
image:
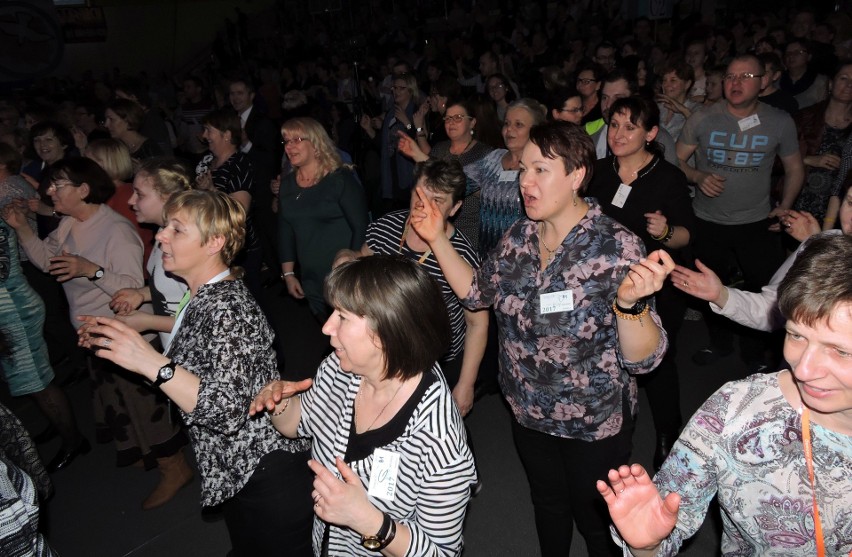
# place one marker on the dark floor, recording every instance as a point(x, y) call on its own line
point(96, 509)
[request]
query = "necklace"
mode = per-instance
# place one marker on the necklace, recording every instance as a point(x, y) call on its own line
point(306, 183)
point(640, 167)
point(550, 251)
point(382, 411)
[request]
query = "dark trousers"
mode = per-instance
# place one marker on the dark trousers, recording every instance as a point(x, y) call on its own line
point(562, 475)
point(273, 513)
point(757, 252)
point(663, 384)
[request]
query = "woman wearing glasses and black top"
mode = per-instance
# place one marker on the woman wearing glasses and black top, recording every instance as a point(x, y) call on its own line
point(321, 210)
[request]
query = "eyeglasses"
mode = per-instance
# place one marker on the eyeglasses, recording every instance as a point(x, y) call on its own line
point(398, 87)
point(59, 184)
point(571, 110)
point(742, 76)
point(586, 81)
point(457, 118)
point(294, 140)
point(800, 52)
point(496, 86)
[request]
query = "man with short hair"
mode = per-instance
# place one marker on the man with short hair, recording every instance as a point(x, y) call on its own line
point(771, 94)
point(605, 55)
point(618, 85)
point(735, 142)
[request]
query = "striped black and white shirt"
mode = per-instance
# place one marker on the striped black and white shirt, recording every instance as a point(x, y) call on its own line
point(384, 236)
point(435, 472)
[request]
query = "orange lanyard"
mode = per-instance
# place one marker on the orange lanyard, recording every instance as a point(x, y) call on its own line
point(809, 460)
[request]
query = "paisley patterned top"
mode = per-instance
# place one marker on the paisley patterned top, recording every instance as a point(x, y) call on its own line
point(226, 341)
point(562, 372)
point(745, 445)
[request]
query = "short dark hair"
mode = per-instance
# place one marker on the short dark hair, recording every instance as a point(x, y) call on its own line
point(569, 142)
point(129, 111)
point(81, 170)
point(681, 69)
point(619, 74)
point(769, 59)
point(245, 80)
point(59, 130)
point(225, 119)
point(641, 112)
point(563, 94)
point(442, 176)
point(403, 307)
point(819, 280)
point(10, 158)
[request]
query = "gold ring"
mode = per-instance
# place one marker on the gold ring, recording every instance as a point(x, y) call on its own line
point(685, 283)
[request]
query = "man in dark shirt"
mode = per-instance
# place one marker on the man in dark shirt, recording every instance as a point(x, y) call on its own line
point(771, 94)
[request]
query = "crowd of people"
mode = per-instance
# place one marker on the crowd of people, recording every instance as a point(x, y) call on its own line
point(531, 202)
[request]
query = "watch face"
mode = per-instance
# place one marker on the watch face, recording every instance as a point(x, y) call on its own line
point(166, 373)
point(372, 543)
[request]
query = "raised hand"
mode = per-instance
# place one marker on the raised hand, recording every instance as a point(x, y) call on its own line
point(642, 517)
point(426, 218)
point(704, 284)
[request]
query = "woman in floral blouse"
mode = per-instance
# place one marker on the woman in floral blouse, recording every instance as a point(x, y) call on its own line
point(774, 449)
point(220, 356)
point(569, 287)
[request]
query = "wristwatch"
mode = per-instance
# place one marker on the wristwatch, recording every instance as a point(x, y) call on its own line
point(165, 374)
point(383, 537)
point(98, 274)
point(635, 309)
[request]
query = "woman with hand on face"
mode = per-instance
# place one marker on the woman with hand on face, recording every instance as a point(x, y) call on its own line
point(156, 181)
point(123, 119)
point(392, 466)
point(774, 449)
point(229, 170)
point(321, 210)
point(674, 105)
point(444, 182)
point(221, 355)
point(570, 288)
point(94, 253)
point(639, 189)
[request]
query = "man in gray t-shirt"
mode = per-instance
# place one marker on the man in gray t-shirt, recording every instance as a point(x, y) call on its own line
point(735, 143)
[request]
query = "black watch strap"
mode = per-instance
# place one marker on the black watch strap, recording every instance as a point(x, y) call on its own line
point(385, 535)
point(635, 309)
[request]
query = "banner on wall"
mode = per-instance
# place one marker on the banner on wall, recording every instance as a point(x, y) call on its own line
point(82, 25)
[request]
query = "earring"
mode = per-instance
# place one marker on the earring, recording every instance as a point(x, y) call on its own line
point(574, 200)
point(471, 132)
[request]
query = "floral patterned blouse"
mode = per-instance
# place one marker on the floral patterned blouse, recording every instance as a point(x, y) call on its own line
point(226, 341)
point(563, 372)
point(744, 445)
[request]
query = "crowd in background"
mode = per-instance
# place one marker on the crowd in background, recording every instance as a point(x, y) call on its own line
point(323, 137)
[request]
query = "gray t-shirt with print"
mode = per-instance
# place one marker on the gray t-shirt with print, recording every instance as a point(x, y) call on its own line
point(743, 154)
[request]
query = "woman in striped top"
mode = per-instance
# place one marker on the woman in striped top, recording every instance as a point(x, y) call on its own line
point(390, 454)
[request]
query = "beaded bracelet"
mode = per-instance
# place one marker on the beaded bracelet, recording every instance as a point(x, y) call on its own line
point(629, 316)
point(279, 412)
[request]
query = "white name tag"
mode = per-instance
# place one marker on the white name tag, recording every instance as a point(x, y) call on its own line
point(384, 475)
point(553, 302)
point(508, 175)
point(749, 122)
point(620, 197)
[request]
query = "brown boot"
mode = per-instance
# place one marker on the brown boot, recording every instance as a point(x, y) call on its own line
point(175, 473)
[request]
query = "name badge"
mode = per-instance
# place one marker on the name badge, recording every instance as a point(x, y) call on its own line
point(384, 475)
point(508, 175)
point(620, 197)
point(553, 302)
point(749, 122)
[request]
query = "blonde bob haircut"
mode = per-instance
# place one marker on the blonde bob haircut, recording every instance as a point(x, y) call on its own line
point(168, 175)
point(215, 214)
point(113, 156)
point(324, 150)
